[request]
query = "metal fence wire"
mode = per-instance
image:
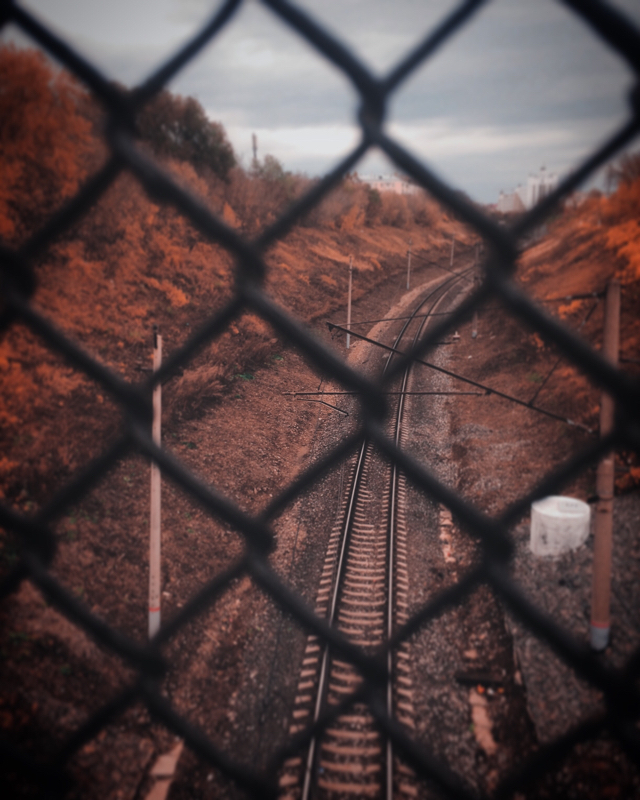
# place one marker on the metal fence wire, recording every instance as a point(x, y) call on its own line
point(619, 688)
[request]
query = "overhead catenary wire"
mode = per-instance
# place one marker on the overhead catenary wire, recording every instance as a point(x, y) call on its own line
point(324, 403)
point(398, 319)
point(440, 266)
point(567, 299)
point(487, 389)
point(387, 394)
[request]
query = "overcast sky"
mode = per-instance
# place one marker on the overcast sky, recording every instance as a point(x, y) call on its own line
point(524, 84)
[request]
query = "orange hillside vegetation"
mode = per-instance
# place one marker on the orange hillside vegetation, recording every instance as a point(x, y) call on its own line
point(131, 262)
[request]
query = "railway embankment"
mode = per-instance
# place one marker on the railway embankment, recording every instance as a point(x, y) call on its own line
point(224, 675)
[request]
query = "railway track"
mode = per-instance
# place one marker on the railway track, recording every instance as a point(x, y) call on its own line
point(363, 591)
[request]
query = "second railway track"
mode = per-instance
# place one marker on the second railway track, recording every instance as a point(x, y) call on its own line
point(363, 592)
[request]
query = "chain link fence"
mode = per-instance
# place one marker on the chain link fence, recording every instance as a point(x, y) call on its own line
point(501, 246)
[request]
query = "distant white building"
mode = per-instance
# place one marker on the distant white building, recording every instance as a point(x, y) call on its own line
point(510, 203)
point(395, 183)
point(526, 197)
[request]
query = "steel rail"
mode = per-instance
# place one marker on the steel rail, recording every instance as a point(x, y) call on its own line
point(393, 503)
point(309, 767)
point(324, 669)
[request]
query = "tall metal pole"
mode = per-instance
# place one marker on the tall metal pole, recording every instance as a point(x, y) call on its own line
point(409, 264)
point(154, 529)
point(474, 331)
point(349, 300)
point(603, 532)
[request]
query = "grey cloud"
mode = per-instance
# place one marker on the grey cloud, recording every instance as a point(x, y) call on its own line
point(517, 63)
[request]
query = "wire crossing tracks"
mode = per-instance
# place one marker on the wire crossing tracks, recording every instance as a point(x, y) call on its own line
point(363, 592)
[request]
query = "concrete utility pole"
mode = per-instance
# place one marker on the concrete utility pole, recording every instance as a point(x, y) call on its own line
point(603, 533)
point(254, 143)
point(349, 300)
point(154, 528)
point(409, 264)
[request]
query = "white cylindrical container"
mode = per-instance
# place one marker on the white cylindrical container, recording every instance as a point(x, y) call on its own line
point(558, 524)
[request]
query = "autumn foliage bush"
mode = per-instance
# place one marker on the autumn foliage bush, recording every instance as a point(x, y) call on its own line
point(259, 195)
point(605, 226)
point(177, 127)
point(131, 262)
point(50, 132)
point(46, 141)
point(621, 212)
point(354, 204)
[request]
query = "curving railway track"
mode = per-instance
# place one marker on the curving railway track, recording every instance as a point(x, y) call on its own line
point(363, 591)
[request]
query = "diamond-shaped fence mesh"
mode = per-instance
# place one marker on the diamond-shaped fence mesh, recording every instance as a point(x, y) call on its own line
point(501, 247)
